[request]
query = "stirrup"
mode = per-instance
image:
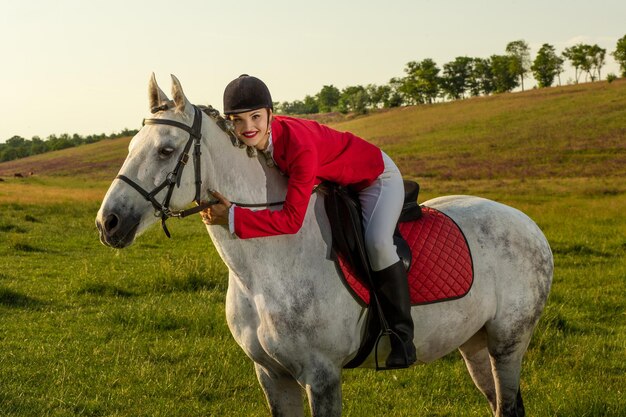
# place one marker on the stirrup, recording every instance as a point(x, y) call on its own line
point(390, 333)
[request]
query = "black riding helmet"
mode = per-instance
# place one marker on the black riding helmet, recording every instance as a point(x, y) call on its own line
point(246, 93)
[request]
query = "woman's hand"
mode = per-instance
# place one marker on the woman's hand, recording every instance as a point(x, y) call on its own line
point(217, 213)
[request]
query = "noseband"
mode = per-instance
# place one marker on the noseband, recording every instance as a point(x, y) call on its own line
point(173, 178)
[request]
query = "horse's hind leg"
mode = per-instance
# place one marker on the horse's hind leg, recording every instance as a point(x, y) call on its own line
point(283, 393)
point(506, 356)
point(478, 363)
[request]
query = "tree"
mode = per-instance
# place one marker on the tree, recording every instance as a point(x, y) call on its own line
point(520, 62)
point(396, 98)
point(16, 141)
point(577, 56)
point(354, 99)
point(483, 78)
point(456, 77)
point(546, 66)
point(308, 106)
point(472, 84)
point(421, 84)
point(328, 98)
point(597, 57)
point(620, 54)
point(504, 79)
point(378, 95)
point(587, 58)
point(61, 142)
point(559, 68)
point(37, 145)
point(16, 147)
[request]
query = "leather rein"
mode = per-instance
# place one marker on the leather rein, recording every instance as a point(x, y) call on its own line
point(173, 178)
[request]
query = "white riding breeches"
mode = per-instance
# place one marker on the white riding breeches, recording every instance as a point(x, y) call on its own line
point(381, 204)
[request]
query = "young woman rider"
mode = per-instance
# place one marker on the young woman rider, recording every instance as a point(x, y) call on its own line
point(308, 153)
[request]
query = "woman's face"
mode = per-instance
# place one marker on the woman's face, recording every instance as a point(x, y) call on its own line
point(252, 127)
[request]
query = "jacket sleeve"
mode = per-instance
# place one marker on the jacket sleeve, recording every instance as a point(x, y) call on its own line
point(302, 168)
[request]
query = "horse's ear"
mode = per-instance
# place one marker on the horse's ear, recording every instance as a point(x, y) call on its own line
point(178, 95)
point(155, 95)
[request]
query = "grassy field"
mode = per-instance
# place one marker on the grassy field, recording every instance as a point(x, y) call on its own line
point(90, 331)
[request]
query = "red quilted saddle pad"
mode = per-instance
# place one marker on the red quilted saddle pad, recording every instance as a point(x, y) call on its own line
point(442, 266)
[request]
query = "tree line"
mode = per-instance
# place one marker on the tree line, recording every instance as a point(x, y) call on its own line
point(19, 147)
point(425, 82)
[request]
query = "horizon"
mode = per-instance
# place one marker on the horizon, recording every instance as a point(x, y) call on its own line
point(68, 70)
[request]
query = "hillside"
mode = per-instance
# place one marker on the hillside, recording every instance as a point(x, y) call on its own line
point(100, 160)
point(571, 131)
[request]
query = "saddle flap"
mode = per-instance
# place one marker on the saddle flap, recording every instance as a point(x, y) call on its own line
point(344, 213)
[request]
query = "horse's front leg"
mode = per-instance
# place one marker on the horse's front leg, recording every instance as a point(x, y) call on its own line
point(323, 387)
point(283, 393)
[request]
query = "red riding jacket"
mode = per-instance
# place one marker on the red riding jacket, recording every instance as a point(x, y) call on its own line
point(308, 153)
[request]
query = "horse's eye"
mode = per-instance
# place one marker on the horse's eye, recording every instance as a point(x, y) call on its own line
point(165, 151)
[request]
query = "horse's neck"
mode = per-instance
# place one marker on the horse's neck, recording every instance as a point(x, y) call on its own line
point(236, 175)
point(257, 262)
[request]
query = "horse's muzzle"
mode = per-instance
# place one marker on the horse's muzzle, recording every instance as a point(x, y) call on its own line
point(117, 231)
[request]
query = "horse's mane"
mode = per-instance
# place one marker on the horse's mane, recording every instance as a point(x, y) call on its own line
point(228, 128)
point(223, 123)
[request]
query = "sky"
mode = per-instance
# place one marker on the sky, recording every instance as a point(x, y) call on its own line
point(76, 66)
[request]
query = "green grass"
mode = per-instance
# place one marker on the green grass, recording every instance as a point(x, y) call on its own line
point(86, 330)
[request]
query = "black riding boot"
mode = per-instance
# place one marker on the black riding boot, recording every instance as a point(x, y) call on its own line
point(392, 289)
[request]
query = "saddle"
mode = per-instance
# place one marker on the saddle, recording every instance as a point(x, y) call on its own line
point(344, 213)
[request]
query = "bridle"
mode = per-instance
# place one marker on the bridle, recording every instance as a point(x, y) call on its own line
point(173, 178)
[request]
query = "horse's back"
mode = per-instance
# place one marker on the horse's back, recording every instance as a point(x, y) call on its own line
point(464, 206)
point(494, 225)
point(491, 217)
point(508, 248)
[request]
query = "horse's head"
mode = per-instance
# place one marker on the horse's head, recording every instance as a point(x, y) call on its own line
point(152, 182)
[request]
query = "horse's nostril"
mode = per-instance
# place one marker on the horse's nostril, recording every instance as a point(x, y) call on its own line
point(111, 222)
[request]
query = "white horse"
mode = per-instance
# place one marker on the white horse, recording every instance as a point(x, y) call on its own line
point(286, 306)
